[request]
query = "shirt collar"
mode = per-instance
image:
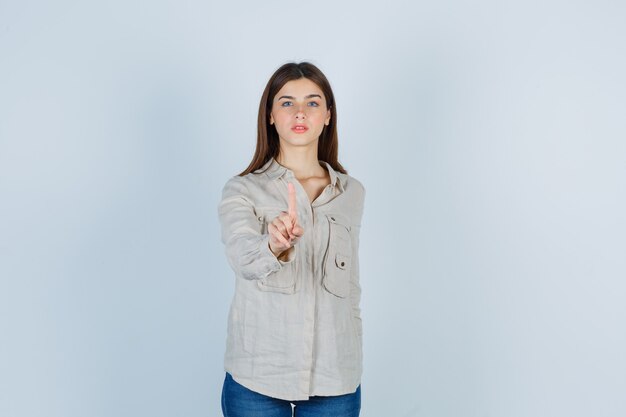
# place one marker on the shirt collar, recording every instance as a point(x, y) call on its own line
point(274, 170)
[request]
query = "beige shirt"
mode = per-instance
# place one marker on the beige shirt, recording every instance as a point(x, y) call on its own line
point(294, 326)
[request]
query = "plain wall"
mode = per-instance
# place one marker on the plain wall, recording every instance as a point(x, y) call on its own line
point(490, 137)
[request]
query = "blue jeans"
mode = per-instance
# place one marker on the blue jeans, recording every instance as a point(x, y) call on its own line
point(239, 401)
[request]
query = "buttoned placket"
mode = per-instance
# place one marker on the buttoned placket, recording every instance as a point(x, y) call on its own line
point(323, 198)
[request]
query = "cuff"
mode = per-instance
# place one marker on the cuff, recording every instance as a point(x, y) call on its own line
point(266, 252)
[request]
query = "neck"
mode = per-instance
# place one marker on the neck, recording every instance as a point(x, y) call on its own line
point(302, 161)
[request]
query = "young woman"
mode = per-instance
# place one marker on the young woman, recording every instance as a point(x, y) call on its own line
point(290, 224)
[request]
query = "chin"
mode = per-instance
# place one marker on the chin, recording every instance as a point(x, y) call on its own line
point(299, 139)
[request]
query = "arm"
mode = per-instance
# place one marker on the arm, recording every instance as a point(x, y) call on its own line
point(247, 250)
point(355, 287)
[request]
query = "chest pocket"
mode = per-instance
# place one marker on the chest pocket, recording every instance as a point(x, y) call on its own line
point(338, 259)
point(284, 280)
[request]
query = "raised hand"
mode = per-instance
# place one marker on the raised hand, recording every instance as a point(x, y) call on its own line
point(284, 230)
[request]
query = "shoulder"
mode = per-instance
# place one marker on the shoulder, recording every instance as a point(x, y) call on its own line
point(253, 189)
point(238, 187)
point(233, 184)
point(352, 185)
point(242, 183)
point(354, 195)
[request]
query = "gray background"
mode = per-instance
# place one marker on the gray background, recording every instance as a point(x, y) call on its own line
point(490, 136)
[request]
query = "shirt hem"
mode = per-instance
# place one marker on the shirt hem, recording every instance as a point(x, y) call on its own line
point(261, 390)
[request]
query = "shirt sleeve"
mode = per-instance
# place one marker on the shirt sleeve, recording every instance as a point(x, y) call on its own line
point(247, 250)
point(355, 287)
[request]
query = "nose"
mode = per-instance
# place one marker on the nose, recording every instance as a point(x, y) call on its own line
point(300, 114)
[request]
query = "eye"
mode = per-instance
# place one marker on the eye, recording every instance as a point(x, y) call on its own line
point(285, 102)
point(314, 103)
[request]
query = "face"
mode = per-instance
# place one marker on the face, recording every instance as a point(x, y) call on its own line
point(299, 112)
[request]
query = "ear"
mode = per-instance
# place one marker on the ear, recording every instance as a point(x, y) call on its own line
point(327, 121)
point(271, 119)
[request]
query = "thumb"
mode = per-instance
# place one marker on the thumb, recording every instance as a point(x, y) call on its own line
point(297, 230)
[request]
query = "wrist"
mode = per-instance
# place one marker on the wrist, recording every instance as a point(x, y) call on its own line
point(276, 254)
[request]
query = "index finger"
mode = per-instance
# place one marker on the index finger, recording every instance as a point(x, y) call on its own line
point(292, 201)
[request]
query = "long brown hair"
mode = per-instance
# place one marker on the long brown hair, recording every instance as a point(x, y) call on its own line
point(267, 141)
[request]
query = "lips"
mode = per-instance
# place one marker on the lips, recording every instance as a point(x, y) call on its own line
point(299, 128)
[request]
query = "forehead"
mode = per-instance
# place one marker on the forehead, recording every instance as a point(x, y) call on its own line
point(299, 89)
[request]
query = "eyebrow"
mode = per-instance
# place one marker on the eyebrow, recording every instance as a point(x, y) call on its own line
point(292, 98)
